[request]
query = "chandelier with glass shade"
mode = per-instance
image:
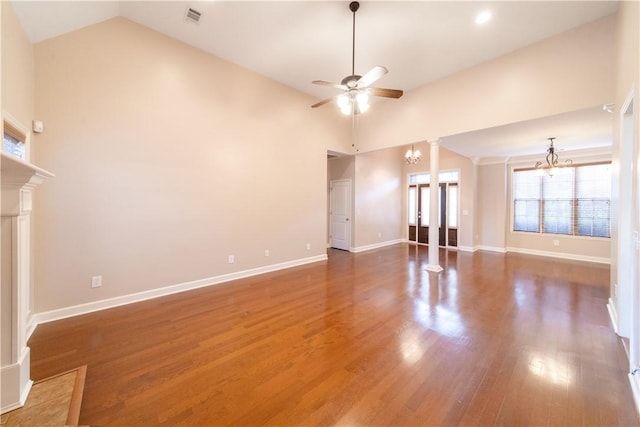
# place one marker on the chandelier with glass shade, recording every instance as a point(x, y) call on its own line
point(551, 165)
point(413, 156)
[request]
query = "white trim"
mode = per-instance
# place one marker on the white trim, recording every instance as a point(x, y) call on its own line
point(378, 245)
point(62, 313)
point(491, 249)
point(635, 390)
point(613, 315)
point(30, 326)
point(466, 248)
point(15, 383)
point(563, 255)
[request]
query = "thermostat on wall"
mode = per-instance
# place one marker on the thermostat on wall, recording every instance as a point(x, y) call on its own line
point(38, 126)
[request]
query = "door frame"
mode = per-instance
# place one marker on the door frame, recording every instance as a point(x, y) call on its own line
point(444, 216)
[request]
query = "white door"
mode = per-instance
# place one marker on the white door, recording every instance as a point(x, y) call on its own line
point(340, 214)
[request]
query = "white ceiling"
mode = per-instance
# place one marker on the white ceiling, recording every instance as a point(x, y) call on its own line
point(295, 42)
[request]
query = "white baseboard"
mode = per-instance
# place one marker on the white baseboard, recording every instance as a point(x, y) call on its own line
point(376, 245)
point(491, 249)
point(562, 255)
point(15, 383)
point(613, 315)
point(466, 249)
point(76, 310)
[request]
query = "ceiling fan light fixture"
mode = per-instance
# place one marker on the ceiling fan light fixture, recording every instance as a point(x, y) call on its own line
point(345, 104)
point(362, 100)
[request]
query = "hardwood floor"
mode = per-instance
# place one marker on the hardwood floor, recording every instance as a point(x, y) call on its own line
point(363, 339)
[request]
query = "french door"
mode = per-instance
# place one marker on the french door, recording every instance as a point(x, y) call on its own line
point(418, 213)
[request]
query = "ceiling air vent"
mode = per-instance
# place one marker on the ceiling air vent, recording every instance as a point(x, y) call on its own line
point(192, 15)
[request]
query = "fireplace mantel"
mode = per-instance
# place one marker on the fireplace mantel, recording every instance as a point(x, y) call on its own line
point(19, 179)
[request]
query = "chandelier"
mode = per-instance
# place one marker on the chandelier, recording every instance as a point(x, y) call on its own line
point(551, 165)
point(412, 156)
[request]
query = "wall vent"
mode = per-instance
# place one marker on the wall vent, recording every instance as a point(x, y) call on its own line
point(192, 15)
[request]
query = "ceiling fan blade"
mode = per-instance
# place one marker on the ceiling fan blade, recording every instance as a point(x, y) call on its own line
point(386, 93)
point(372, 75)
point(334, 85)
point(324, 101)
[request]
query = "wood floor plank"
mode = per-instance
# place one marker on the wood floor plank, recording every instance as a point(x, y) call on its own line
point(363, 339)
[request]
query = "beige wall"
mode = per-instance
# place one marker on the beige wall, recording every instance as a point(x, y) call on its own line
point(576, 70)
point(17, 69)
point(167, 160)
point(342, 168)
point(378, 197)
point(492, 206)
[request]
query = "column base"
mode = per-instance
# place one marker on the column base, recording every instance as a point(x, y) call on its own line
point(434, 268)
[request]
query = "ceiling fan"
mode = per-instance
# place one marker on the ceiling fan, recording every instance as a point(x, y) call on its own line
point(357, 89)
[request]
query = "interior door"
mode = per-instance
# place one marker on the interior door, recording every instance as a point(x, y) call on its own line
point(340, 212)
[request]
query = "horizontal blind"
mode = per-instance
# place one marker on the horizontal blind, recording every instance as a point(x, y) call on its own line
point(16, 133)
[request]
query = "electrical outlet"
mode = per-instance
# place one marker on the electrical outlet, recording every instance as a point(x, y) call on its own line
point(96, 281)
point(231, 259)
point(556, 242)
point(308, 246)
point(266, 252)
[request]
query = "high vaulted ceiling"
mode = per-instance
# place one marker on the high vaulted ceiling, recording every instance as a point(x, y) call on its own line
point(295, 42)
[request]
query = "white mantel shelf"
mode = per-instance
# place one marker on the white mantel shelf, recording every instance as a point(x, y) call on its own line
point(18, 175)
point(18, 172)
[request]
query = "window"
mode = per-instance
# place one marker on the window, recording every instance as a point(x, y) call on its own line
point(412, 206)
point(452, 200)
point(425, 205)
point(575, 201)
point(13, 141)
point(443, 176)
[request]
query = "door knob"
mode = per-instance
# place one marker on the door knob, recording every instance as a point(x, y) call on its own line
point(347, 219)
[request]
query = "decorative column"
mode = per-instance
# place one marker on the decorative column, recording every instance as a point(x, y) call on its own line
point(434, 213)
point(19, 179)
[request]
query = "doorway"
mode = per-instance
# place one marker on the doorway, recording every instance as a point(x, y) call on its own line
point(418, 209)
point(340, 214)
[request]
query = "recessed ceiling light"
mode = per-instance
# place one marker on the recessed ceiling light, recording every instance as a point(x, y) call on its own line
point(483, 17)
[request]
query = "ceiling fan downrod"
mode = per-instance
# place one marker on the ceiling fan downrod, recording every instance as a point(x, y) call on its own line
point(353, 6)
